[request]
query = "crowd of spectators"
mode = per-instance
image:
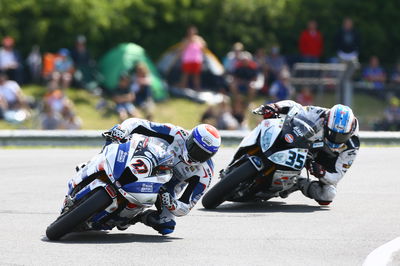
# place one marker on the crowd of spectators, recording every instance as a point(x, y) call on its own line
point(267, 72)
point(53, 71)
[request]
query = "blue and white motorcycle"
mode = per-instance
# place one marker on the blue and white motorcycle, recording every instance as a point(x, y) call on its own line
point(114, 187)
point(268, 161)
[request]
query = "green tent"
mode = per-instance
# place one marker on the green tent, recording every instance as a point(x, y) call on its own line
point(122, 59)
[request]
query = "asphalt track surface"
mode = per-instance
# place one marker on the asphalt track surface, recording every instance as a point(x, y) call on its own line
point(292, 231)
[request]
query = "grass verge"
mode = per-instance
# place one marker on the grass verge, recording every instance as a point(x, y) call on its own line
point(183, 112)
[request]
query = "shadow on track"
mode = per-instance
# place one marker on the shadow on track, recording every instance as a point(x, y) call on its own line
point(100, 237)
point(265, 207)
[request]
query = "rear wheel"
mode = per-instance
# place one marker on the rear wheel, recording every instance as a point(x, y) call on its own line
point(224, 188)
point(65, 224)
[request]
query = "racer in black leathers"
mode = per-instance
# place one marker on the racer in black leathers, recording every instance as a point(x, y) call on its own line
point(330, 163)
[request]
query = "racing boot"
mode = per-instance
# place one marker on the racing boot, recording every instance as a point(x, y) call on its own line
point(161, 222)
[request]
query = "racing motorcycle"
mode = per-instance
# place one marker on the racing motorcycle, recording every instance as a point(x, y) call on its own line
point(114, 187)
point(268, 161)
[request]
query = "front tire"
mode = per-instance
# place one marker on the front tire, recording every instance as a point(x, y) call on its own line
point(220, 191)
point(98, 201)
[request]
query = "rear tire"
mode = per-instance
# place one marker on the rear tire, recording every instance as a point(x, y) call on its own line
point(220, 191)
point(98, 201)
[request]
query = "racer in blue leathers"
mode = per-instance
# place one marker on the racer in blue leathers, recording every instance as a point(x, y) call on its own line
point(192, 172)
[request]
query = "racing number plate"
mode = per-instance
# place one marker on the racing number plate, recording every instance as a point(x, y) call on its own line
point(294, 158)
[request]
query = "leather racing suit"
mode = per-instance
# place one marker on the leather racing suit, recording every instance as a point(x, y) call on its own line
point(335, 163)
point(189, 181)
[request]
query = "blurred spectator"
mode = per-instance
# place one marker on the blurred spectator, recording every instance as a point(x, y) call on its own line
point(233, 57)
point(83, 63)
point(347, 41)
point(58, 111)
point(55, 99)
point(123, 98)
point(192, 58)
point(50, 119)
point(244, 75)
point(374, 73)
point(391, 121)
point(221, 116)
point(34, 63)
point(239, 110)
point(141, 88)
point(305, 97)
point(311, 43)
point(12, 99)
point(281, 89)
point(395, 78)
point(80, 55)
point(260, 58)
point(347, 44)
point(69, 119)
point(210, 116)
point(10, 60)
point(275, 63)
point(63, 69)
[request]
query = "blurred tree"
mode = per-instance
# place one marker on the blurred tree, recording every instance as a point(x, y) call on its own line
point(158, 24)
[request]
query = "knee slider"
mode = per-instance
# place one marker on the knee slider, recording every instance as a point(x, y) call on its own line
point(328, 193)
point(320, 192)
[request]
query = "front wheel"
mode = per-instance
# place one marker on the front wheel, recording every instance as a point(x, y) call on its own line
point(220, 191)
point(98, 201)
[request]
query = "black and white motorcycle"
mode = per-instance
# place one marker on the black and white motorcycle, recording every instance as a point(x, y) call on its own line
point(268, 161)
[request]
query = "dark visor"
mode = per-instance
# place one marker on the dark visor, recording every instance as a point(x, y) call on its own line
point(336, 137)
point(195, 152)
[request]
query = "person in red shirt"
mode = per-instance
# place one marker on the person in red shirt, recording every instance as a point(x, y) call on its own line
point(311, 43)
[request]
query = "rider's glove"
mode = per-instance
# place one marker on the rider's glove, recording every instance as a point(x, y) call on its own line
point(267, 111)
point(316, 169)
point(168, 201)
point(116, 133)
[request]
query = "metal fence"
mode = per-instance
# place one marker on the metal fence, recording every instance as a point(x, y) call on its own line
point(75, 138)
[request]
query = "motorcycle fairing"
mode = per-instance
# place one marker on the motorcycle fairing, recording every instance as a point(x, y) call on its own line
point(294, 158)
point(270, 126)
point(145, 190)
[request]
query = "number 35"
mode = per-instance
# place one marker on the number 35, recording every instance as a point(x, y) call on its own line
point(295, 160)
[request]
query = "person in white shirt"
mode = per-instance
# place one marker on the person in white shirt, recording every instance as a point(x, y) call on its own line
point(11, 96)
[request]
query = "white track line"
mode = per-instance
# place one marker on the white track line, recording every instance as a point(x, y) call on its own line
point(383, 254)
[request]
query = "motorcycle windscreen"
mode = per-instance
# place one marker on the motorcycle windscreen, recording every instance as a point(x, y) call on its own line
point(270, 130)
point(299, 131)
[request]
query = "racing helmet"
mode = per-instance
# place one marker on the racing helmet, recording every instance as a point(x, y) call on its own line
point(202, 143)
point(339, 126)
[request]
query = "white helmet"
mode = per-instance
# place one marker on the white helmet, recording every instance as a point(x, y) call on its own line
point(339, 126)
point(202, 143)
